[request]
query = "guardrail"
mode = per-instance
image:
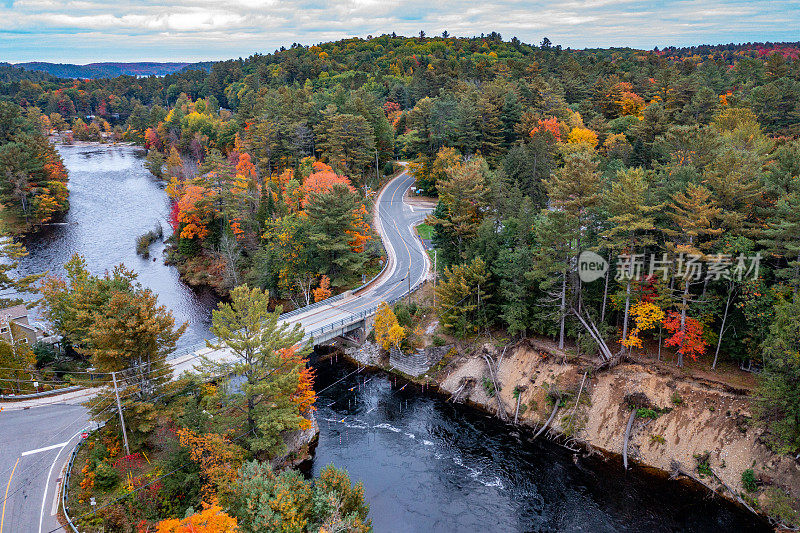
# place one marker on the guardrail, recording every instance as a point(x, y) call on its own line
point(40, 394)
point(65, 482)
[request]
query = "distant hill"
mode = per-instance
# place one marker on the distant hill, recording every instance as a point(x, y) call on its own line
point(11, 73)
point(106, 70)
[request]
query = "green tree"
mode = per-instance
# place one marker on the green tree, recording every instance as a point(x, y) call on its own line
point(462, 296)
point(348, 143)
point(463, 196)
point(267, 358)
point(263, 500)
point(778, 394)
point(131, 333)
point(10, 254)
point(694, 213)
point(332, 217)
point(574, 190)
point(782, 235)
point(631, 223)
point(155, 163)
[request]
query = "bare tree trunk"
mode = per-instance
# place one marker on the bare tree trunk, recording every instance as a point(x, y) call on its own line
point(722, 329)
point(684, 306)
point(625, 318)
point(627, 437)
point(605, 291)
point(563, 310)
point(605, 351)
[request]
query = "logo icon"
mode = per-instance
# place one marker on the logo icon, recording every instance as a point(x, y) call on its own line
point(591, 266)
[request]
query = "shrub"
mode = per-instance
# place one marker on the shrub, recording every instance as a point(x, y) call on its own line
point(644, 412)
point(749, 480)
point(676, 398)
point(438, 341)
point(780, 506)
point(703, 467)
point(105, 476)
point(657, 439)
point(143, 242)
point(488, 386)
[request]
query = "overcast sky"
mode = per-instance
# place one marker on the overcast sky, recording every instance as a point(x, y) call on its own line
point(84, 31)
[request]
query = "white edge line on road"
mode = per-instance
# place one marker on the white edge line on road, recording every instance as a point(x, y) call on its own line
point(45, 449)
point(49, 474)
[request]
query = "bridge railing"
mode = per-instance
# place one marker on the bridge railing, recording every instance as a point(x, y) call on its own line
point(352, 319)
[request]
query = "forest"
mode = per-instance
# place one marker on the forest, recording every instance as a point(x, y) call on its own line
point(677, 167)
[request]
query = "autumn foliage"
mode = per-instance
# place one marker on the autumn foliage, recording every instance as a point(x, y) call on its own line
point(210, 520)
point(324, 290)
point(689, 341)
point(549, 125)
point(216, 455)
point(388, 332)
point(646, 316)
point(322, 180)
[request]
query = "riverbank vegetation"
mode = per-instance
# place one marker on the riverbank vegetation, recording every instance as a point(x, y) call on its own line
point(209, 450)
point(33, 180)
point(144, 241)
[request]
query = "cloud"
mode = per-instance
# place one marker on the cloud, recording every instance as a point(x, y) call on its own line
point(94, 30)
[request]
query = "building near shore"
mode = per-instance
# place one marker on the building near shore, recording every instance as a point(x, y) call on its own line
point(15, 327)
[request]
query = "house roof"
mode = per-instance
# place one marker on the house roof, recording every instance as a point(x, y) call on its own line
point(10, 313)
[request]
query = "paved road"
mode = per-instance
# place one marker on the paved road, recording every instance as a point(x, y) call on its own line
point(408, 267)
point(34, 447)
point(36, 437)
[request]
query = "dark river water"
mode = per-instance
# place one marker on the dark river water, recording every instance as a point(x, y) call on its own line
point(426, 465)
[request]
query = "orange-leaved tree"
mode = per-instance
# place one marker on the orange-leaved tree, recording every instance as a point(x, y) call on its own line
point(321, 181)
point(195, 212)
point(304, 396)
point(550, 125)
point(211, 519)
point(324, 289)
point(217, 456)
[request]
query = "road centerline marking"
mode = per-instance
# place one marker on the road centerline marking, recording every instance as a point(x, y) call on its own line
point(5, 498)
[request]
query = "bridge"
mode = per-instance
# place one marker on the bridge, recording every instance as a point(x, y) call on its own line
point(406, 269)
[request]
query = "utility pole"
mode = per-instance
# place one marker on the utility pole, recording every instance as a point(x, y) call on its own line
point(377, 176)
point(121, 419)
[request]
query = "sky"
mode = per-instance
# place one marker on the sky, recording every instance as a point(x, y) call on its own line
point(85, 31)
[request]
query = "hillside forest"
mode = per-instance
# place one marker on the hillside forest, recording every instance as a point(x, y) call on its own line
point(678, 167)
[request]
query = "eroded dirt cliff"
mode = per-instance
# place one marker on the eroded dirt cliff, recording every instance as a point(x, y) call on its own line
point(699, 427)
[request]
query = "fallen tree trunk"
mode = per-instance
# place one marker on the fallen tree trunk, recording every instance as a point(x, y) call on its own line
point(578, 399)
point(627, 437)
point(605, 351)
point(552, 416)
point(501, 409)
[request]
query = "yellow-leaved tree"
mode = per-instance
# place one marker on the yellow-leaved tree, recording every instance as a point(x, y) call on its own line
point(388, 332)
point(646, 315)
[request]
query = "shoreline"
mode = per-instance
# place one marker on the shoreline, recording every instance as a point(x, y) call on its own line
point(602, 432)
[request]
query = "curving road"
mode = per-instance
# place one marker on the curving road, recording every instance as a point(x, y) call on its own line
point(37, 436)
point(408, 266)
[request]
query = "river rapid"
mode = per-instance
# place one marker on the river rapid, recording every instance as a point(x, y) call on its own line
point(426, 465)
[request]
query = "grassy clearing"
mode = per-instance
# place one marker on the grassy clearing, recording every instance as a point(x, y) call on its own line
point(425, 231)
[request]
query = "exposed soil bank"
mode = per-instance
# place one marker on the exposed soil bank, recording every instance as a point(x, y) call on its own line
point(699, 428)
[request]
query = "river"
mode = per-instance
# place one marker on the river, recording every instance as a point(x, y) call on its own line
point(426, 465)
